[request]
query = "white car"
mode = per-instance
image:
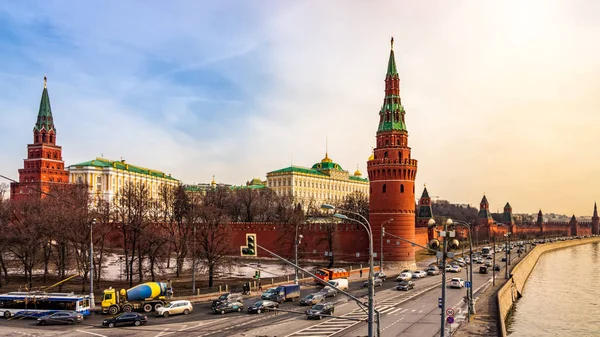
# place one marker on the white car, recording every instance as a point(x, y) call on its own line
point(404, 277)
point(175, 307)
point(456, 268)
point(419, 274)
point(457, 283)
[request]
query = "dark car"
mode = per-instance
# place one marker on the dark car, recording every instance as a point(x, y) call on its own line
point(320, 310)
point(329, 292)
point(228, 307)
point(227, 297)
point(376, 282)
point(312, 299)
point(381, 275)
point(405, 285)
point(483, 270)
point(262, 306)
point(497, 267)
point(61, 317)
point(126, 318)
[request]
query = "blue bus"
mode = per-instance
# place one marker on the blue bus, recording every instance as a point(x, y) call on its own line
point(36, 304)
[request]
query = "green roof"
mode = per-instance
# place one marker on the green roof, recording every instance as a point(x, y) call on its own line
point(44, 118)
point(298, 169)
point(358, 178)
point(122, 165)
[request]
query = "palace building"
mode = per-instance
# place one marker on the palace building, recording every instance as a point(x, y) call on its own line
point(105, 177)
point(324, 182)
point(44, 167)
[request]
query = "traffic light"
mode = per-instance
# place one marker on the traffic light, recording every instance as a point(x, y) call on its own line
point(250, 248)
point(257, 274)
point(434, 244)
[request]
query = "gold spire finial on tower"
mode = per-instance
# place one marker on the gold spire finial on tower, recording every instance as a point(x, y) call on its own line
point(213, 182)
point(392, 43)
point(425, 185)
point(45, 80)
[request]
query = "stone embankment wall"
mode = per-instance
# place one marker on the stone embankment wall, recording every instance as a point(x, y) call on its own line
point(513, 288)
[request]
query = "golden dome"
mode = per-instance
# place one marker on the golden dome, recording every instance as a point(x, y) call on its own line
point(326, 159)
point(372, 156)
point(213, 182)
point(357, 173)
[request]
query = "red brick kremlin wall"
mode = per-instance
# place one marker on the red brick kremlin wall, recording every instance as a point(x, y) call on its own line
point(349, 239)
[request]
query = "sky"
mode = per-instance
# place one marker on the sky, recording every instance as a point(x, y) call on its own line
point(501, 97)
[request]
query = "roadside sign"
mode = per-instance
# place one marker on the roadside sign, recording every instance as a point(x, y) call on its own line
point(450, 312)
point(449, 319)
point(468, 284)
point(439, 302)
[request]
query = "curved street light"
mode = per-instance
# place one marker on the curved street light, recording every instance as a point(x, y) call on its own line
point(367, 226)
point(469, 265)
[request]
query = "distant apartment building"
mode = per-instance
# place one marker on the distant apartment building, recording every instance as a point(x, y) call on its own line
point(325, 181)
point(106, 178)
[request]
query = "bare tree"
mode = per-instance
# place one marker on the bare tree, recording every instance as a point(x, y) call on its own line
point(5, 215)
point(131, 208)
point(213, 234)
point(25, 236)
point(103, 213)
point(357, 202)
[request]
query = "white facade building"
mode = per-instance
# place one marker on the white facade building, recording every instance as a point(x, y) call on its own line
point(105, 177)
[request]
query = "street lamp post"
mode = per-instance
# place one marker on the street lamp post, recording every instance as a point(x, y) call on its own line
point(470, 303)
point(92, 302)
point(297, 240)
point(367, 226)
point(381, 244)
point(506, 253)
point(194, 263)
point(494, 266)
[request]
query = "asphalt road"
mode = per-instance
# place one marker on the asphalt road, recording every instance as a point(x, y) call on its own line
point(412, 313)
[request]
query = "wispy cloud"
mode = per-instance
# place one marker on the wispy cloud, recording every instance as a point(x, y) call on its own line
point(500, 97)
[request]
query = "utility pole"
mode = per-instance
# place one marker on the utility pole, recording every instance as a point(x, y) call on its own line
point(381, 252)
point(92, 302)
point(194, 263)
point(297, 240)
point(494, 264)
point(444, 250)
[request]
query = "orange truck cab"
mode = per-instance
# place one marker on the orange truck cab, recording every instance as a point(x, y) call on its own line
point(324, 274)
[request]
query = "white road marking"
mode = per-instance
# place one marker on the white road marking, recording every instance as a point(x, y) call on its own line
point(182, 328)
point(91, 333)
point(164, 332)
point(391, 312)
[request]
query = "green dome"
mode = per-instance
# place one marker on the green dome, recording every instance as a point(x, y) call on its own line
point(327, 164)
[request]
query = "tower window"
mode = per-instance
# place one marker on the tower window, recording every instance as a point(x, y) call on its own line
point(398, 142)
point(387, 142)
point(401, 188)
point(385, 154)
point(400, 155)
point(384, 188)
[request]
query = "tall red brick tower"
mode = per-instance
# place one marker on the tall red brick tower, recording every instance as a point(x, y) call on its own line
point(574, 226)
point(484, 220)
point(595, 221)
point(44, 165)
point(392, 175)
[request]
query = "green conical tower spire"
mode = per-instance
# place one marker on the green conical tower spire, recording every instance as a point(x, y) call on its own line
point(391, 70)
point(44, 118)
point(391, 115)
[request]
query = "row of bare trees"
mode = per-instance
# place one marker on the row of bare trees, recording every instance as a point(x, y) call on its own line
point(149, 228)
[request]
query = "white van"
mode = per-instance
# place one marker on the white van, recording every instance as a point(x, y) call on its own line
point(340, 283)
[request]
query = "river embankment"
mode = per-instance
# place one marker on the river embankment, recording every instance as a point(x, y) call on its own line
point(512, 290)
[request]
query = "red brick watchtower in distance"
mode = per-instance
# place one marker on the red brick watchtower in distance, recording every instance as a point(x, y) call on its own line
point(595, 221)
point(44, 166)
point(392, 175)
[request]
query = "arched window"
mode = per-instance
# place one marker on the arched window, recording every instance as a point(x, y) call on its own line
point(387, 142)
point(400, 155)
point(401, 188)
point(383, 189)
point(385, 155)
point(398, 142)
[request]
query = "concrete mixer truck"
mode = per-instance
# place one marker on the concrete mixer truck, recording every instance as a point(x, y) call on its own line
point(146, 297)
